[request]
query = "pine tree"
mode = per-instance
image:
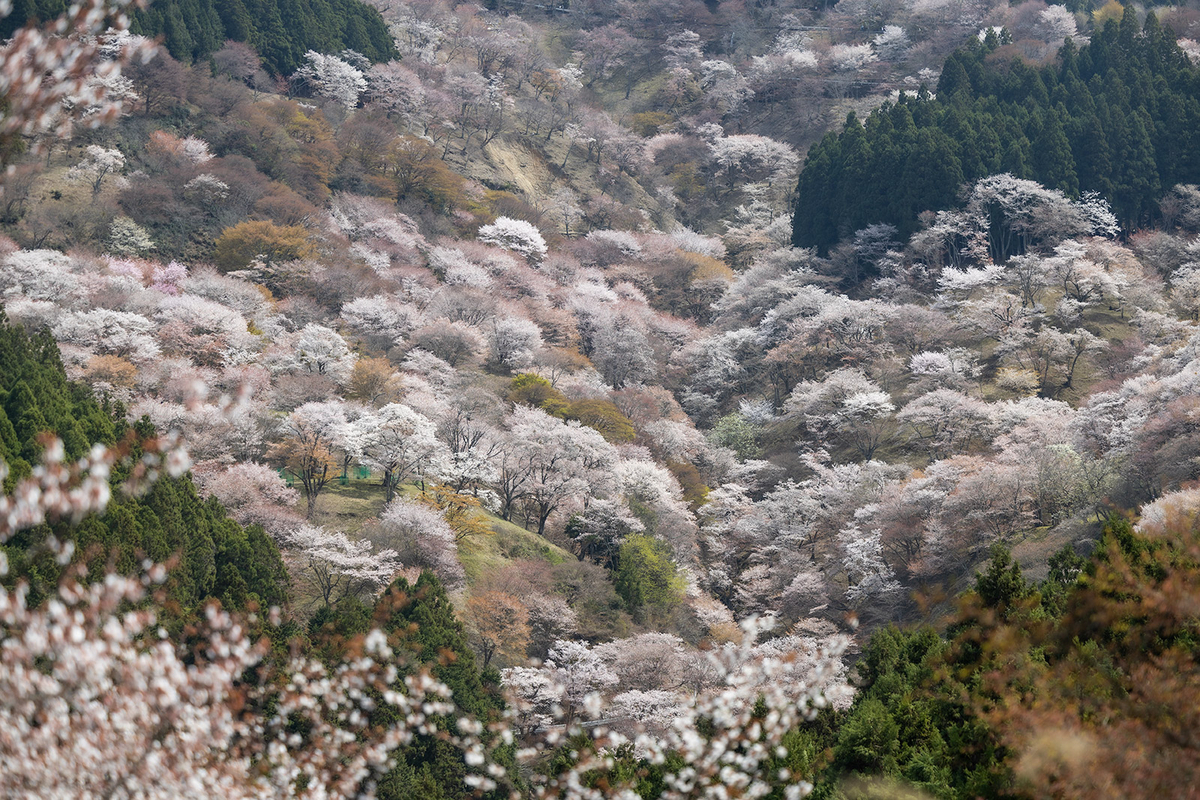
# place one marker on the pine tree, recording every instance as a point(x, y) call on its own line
point(1116, 116)
point(422, 616)
point(1053, 162)
point(215, 556)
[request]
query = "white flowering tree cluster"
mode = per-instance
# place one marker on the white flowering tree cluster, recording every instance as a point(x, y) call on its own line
point(339, 566)
point(402, 443)
point(516, 235)
point(902, 424)
point(98, 163)
point(332, 78)
point(845, 379)
point(548, 465)
point(98, 703)
point(94, 707)
point(789, 678)
point(1022, 269)
point(422, 538)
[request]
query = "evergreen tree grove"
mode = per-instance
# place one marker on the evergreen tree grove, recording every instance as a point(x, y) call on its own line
point(1116, 117)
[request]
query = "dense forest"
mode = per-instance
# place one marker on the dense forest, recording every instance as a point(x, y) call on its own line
point(280, 32)
point(1114, 117)
point(214, 556)
point(427, 399)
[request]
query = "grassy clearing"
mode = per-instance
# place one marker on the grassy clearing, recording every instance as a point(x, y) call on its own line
point(352, 507)
point(483, 555)
point(349, 508)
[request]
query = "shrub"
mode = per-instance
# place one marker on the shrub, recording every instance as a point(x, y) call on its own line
point(242, 243)
point(646, 578)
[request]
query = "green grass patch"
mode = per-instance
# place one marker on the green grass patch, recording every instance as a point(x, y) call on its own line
point(483, 555)
point(349, 508)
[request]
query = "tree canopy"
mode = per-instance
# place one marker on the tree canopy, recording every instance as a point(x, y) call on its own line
point(282, 31)
point(214, 556)
point(1116, 117)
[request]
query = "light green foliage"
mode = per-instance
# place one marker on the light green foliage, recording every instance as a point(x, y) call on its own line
point(738, 434)
point(536, 391)
point(646, 578)
point(603, 416)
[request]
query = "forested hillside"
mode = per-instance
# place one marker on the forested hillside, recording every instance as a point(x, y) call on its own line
point(440, 400)
point(1114, 117)
point(214, 556)
point(280, 32)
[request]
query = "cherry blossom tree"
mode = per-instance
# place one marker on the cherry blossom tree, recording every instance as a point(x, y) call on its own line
point(621, 350)
point(600, 528)
point(516, 235)
point(206, 190)
point(1185, 289)
point(946, 422)
point(332, 78)
point(844, 408)
point(580, 670)
point(682, 49)
point(733, 532)
point(90, 712)
point(892, 43)
point(1057, 23)
point(650, 711)
point(126, 237)
point(1049, 353)
point(382, 318)
point(307, 449)
point(748, 157)
point(603, 51)
point(89, 705)
point(339, 566)
point(850, 57)
point(402, 443)
point(990, 501)
point(202, 330)
point(1168, 509)
point(253, 493)
point(169, 279)
point(1019, 214)
point(317, 350)
point(790, 677)
point(513, 341)
point(548, 464)
point(648, 661)
point(120, 333)
point(533, 695)
point(39, 275)
point(396, 89)
point(98, 163)
point(107, 706)
point(422, 537)
point(468, 429)
point(869, 576)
